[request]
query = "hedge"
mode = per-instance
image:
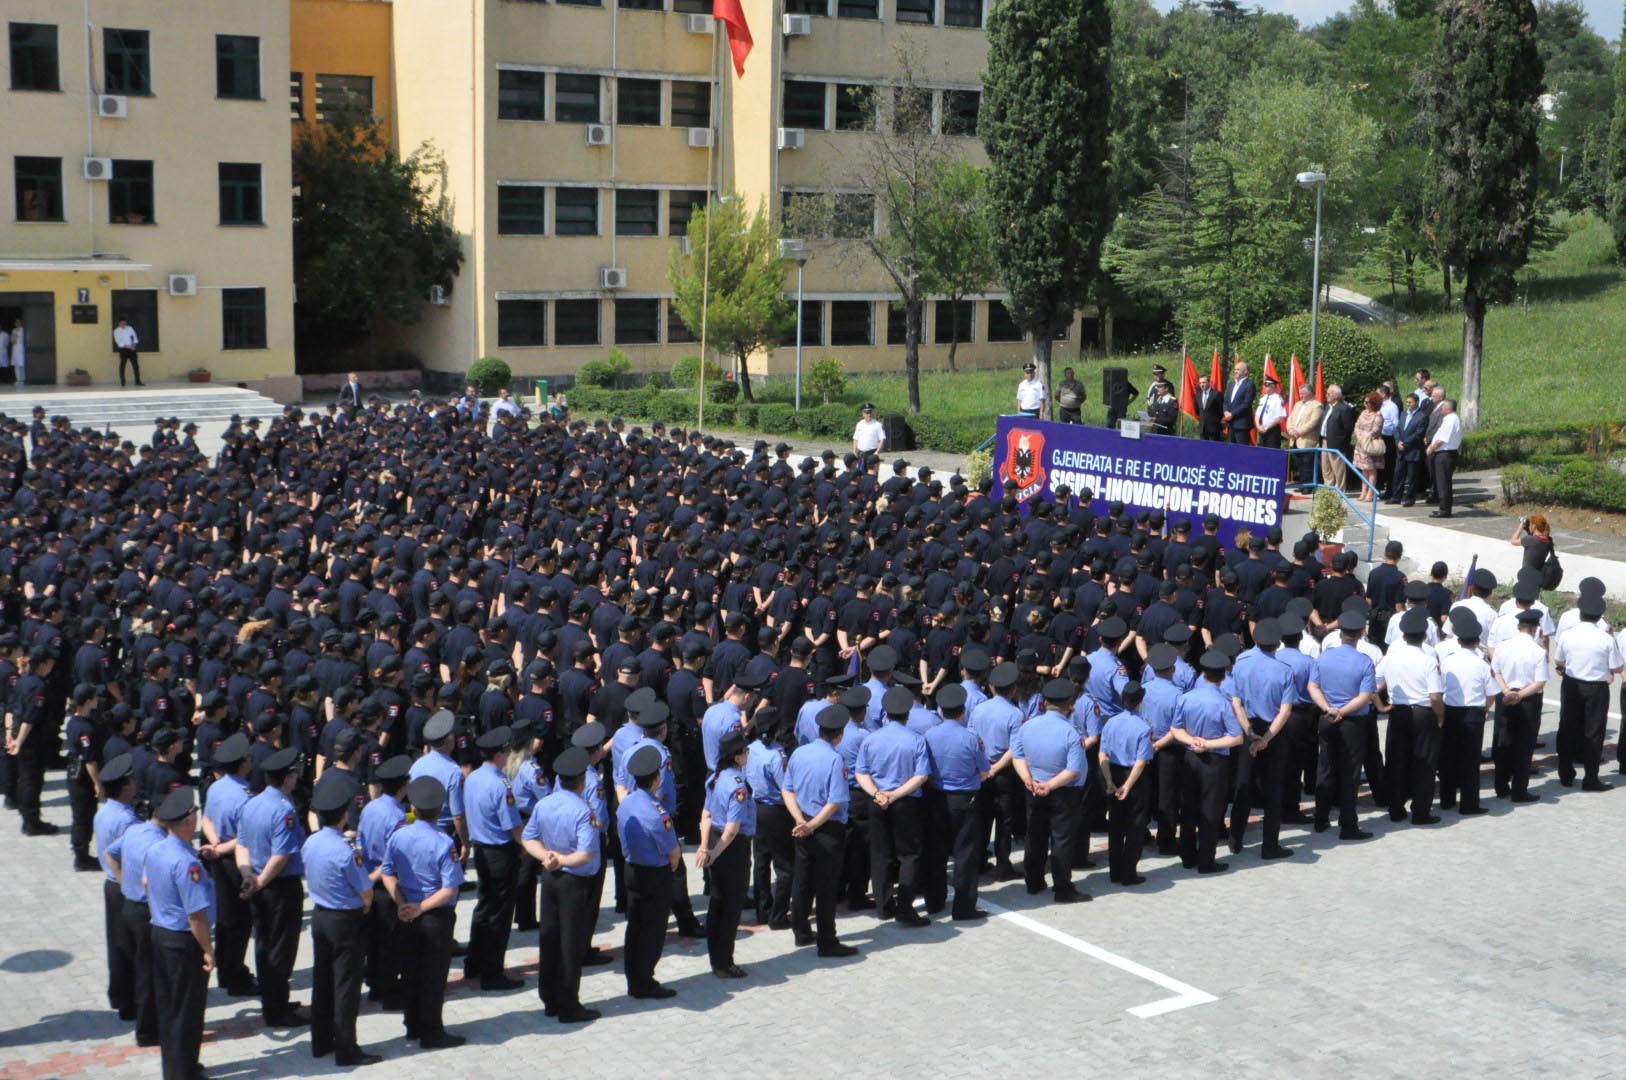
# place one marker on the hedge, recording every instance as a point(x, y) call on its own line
point(1353, 359)
point(1574, 481)
point(1490, 448)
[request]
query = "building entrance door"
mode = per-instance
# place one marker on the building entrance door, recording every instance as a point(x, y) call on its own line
point(37, 313)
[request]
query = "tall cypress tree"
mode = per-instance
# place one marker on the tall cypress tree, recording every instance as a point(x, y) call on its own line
point(1616, 156)
point(1046, 104)
point(1481, 111)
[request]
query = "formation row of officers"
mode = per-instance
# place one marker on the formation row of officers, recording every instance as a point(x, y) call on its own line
point(869, 787)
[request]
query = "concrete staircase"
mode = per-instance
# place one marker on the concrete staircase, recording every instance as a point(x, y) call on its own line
point(132, 410)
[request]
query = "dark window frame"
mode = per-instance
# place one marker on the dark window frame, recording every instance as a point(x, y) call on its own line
point(527, 99)
point(919, 12)
point(296, 96)
point(966, 13)
point(38, 177)
point(943, 321)
point(567, 313)
point(522, 324)
point(897, 324)
point(677, 331)
point(852, 216)
point(844, 326)
point(799, 113)
point(242, 198)
point(858, 9)
point(637, 321)
point(632, 104)
point(1001, 327)
point(687, 109)
point(568, 106)
point(960, 121)
point(132, 194)
point(645, 219)
point(680, 207)
point(126, 61)
point(641, 5)
point(812, 325)
point(351, 111)
point(691, 7)
point(143, 316)
point(522, 210)
point(820, 8)
point(30, 59)
point(234, 63)
point(575, 202)
point(242, 319)
point(851, 113)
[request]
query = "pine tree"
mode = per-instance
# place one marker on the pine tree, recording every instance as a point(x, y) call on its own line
point(1616, 164)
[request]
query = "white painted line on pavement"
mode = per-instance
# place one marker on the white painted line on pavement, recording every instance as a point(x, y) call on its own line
point(1185, 996)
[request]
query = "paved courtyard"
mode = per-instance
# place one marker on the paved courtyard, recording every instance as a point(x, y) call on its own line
point(1477, 947)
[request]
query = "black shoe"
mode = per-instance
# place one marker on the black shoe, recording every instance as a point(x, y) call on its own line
point(391, 1003)
point(40, 828)
point(294, 1017)
point(1133, 879)
point(1444, 805)
point(1426, 819)
point(244, 989)
point(911, 918)
point(1467, 811)
point(1087, 864)
point(1168, 849)
point(838, 950)
point(1297, 819)
point(321, 1051)
point(1277, 852)
point(1322, 825)
point(85, 864)
point(1011, 873)
point(970, 916)
point(1354, 834)
point(1035, 888)
point(692, 930)
point(1440, 514)
point(596, 958)
point(127, 1015)
point(1397, 815)
point(1408, 502)
point(1072, 896)
point(654, 992)
point(578, 1015)
point(1596, 785)
point(140, 383)
point(780, 923)
point(866, 904)
point(1236, 844)
point(153, 1041)
point(732, 971)
point(1566, 781)
point(802, 941)
point(501, 983)
point(1214, 868)
point(442, 1041)
point(525, 927)
point(1527, 797)
point(360, 1057)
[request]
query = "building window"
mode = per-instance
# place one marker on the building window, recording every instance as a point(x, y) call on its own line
point(126, 62)
point(583, 3)
point(575, 212)
point(240, 202)
point(850, 322)
point(296, 96)
point(39, 188)
point(960, 108)
point(680, 207)
point(33, 57)
point(807, 7)
point(962, 12)
point(575, 322)
point(637, 213)
point(1001, 327)
point(677, 332)
point(853, 216)
point(575, 99)
point(914, 11)
point(804, 105)
point(953, 322)
point(140, 306)
point(692, 7)
point(522, 210)
point(522, 95)
point(237, 66)
point(855, 106)
point(130, 193)
point(638, 101)
point(858, 9)
point(637, 322)
point(691, 104)
point(242, 318)
point(812, 325)
point(344, 100)
point(897, 324)
point(640, 5)
point(522, 323)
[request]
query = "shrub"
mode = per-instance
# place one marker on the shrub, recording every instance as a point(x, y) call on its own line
point(826, 378)
point(979, 466)
point(596, 373)
point(1574, 481)
point(1327, 514)
point(724, 390)
point(490, 374)
point(776, 417)
point(1490, 448)
point(1353, 359)
point(687, 370)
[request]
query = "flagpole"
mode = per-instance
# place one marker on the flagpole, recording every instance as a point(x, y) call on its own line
point(705, 274)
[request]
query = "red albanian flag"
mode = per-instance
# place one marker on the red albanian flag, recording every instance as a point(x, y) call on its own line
point(732, 16)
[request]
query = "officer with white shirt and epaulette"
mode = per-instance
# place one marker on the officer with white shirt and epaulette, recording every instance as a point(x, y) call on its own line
point(1416, 595)
point(1588, 659)
point(1520, 667)
point(1589, 586)
point(1416, 714)
point(1469, 691)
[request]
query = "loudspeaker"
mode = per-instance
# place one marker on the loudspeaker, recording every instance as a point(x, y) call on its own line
point(1115, 388)
point(899, 435)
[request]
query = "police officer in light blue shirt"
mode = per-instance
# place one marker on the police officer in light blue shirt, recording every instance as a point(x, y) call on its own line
point(1157, 707)
point(341, 893)
point(380, 818)
point(1206, 724)
point(882, 660)
point(126, 856)
point(728, 714)
point(773, 852)
point(855, 858)
point(1263, 690)
point(974, 664)
point(650, 842)
point(268, 845)
point(893, 766)
point(422, 873)
point(438, 763)
point(652, 733)
point(1051, 760)
point(112, 820)
point(565, 840)
point(1179, 637)
point(1002, 803)
point(223, 810)
point(727, 824)
point(1125, 758)
point(816, 794)
point(807, 718)
point(494, 827)
point(1106, 670)
point(959, 767)
point(1343, 685)
point(182, 901)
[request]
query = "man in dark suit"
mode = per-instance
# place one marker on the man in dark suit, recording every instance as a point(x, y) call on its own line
point(1410, 444)
point(1239, 395)
point(350, 392)
point(1210, 411)
point(1338, 433)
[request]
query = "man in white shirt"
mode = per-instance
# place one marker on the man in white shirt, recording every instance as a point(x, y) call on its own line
point(1526, 597)
point(1469, 690)
point(1270, 414)
point(868, 436)
point(1031, 394)
point(503, 406)
point(1482, 585)
point(1390, 411)
point(1520, 668)
point(1416, 714)
point(125, 341)
point(1588, 659)
point(1442, 455)
point(1589, 586)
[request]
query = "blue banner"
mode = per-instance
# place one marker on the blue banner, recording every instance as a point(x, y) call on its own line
point(1242, 485)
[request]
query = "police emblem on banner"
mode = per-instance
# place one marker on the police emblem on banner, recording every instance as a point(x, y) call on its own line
point(1023, 467)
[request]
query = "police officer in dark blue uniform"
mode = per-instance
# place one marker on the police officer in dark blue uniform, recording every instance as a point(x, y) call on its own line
point(1205, 723)
point(650, 841)
point(182, 901)
point(494, 827)
point(422, 873)
point(341, 893)
point(815, 793)
point(82, 743)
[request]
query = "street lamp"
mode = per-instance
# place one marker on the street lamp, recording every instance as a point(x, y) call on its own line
point(1562, 150)
point(797, 251)
point(1317, 180)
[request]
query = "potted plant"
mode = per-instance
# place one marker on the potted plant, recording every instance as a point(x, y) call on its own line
point(78, 377)
point(1327, 516)
point(199, 374)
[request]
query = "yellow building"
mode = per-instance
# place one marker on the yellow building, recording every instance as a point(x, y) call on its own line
point(146, 151)
point(576, 136)
point(341, 62)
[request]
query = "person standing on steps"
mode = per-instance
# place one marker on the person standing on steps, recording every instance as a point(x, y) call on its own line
point(125, 340)
point(1032, 398)
point(19, 353)
point(1442, 455)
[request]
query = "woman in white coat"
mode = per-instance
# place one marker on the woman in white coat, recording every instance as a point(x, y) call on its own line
point(19, 353)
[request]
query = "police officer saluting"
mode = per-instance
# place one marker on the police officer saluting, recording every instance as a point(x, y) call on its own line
point(181, 898)
point(112, 820)
point(268, 857)
point(728, 821)
point(959, 767)
point(893, 766)
point(494, 827)
point(1051, 759)
point(422, 873)
point(341, 893)
point(1205, 722)
point(650, 842)
point(815, 793)
point(564, 839)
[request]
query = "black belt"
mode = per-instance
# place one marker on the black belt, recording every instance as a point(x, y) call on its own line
point(506, 844)
point(338, 910)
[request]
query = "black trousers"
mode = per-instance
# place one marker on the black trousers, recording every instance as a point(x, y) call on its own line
point(340, 946)
point(1386, 472)
point(1053, 826)
point(1372, 760)
point(856, 858)
point(1271, 438)
point(1126, 823)
point(1268, 770)
point(498, 868)
point(563, 934)
point(1582, 718)
point(1069, 416)
point(1520, 723)
point(426, 960)
point(1207, 776)
point(30, 765)
point(1460, 745)
point(649, 907)
point(1241, 434)
point(120, 961)
point(1165, 799)
point(595, 897)
point(180, 986)
point(383, 946)
point(137, 929)
point(773, 856)
point(1444, 465)
point(277, 914)
point(1341, 747)
point(130, 357)
point(815, 886)
point(82, 802)
point(895, 841)
point(730, 881)
point(234, 922)
point(525, 892)
point(1414, 751)
point(936, 839)
point(1002, 806)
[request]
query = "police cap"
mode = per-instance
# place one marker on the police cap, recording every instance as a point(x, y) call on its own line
point(325, 800)
point(644, 763)
point(1003, 677)
point(497, 738)
point(439, 726)
point(571, 763)
point(231, 750)
point(427, 795)
point(176, 805)
point(1059, 691)
point(951, 696)
point(832, 718)
point(589, 736)
point(897, 702)
point(1414, 621)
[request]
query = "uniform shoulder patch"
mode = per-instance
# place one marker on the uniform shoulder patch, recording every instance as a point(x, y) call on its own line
point(195, 873)
point(740, 794)
point(666, 822)
point(509, 796)
point(288, 820)
point(356, 857)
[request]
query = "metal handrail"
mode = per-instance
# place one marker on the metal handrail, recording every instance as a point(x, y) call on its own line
point(1371, 519)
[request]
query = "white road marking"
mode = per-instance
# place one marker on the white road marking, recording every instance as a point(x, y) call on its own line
point(1184, 997)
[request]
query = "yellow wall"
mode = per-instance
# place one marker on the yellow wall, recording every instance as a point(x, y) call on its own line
point(344, 37)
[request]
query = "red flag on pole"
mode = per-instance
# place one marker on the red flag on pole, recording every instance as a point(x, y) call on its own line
point(732, 16)
point(1270, 370)
point(1320, 389)
point(1188, 386)
point(1297, 378)
point(1216, 377)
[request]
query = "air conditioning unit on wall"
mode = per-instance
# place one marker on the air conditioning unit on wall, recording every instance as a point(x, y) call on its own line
point(112, 106)
point(183, 284)
point(798, 25)
point(612, 278)
point(699, 24)
point(699, 138)
point(98, 168)
point(792, 138)
point(598, 135)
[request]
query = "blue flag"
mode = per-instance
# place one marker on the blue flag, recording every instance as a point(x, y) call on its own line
point(1468, 582)
point(852, 665)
